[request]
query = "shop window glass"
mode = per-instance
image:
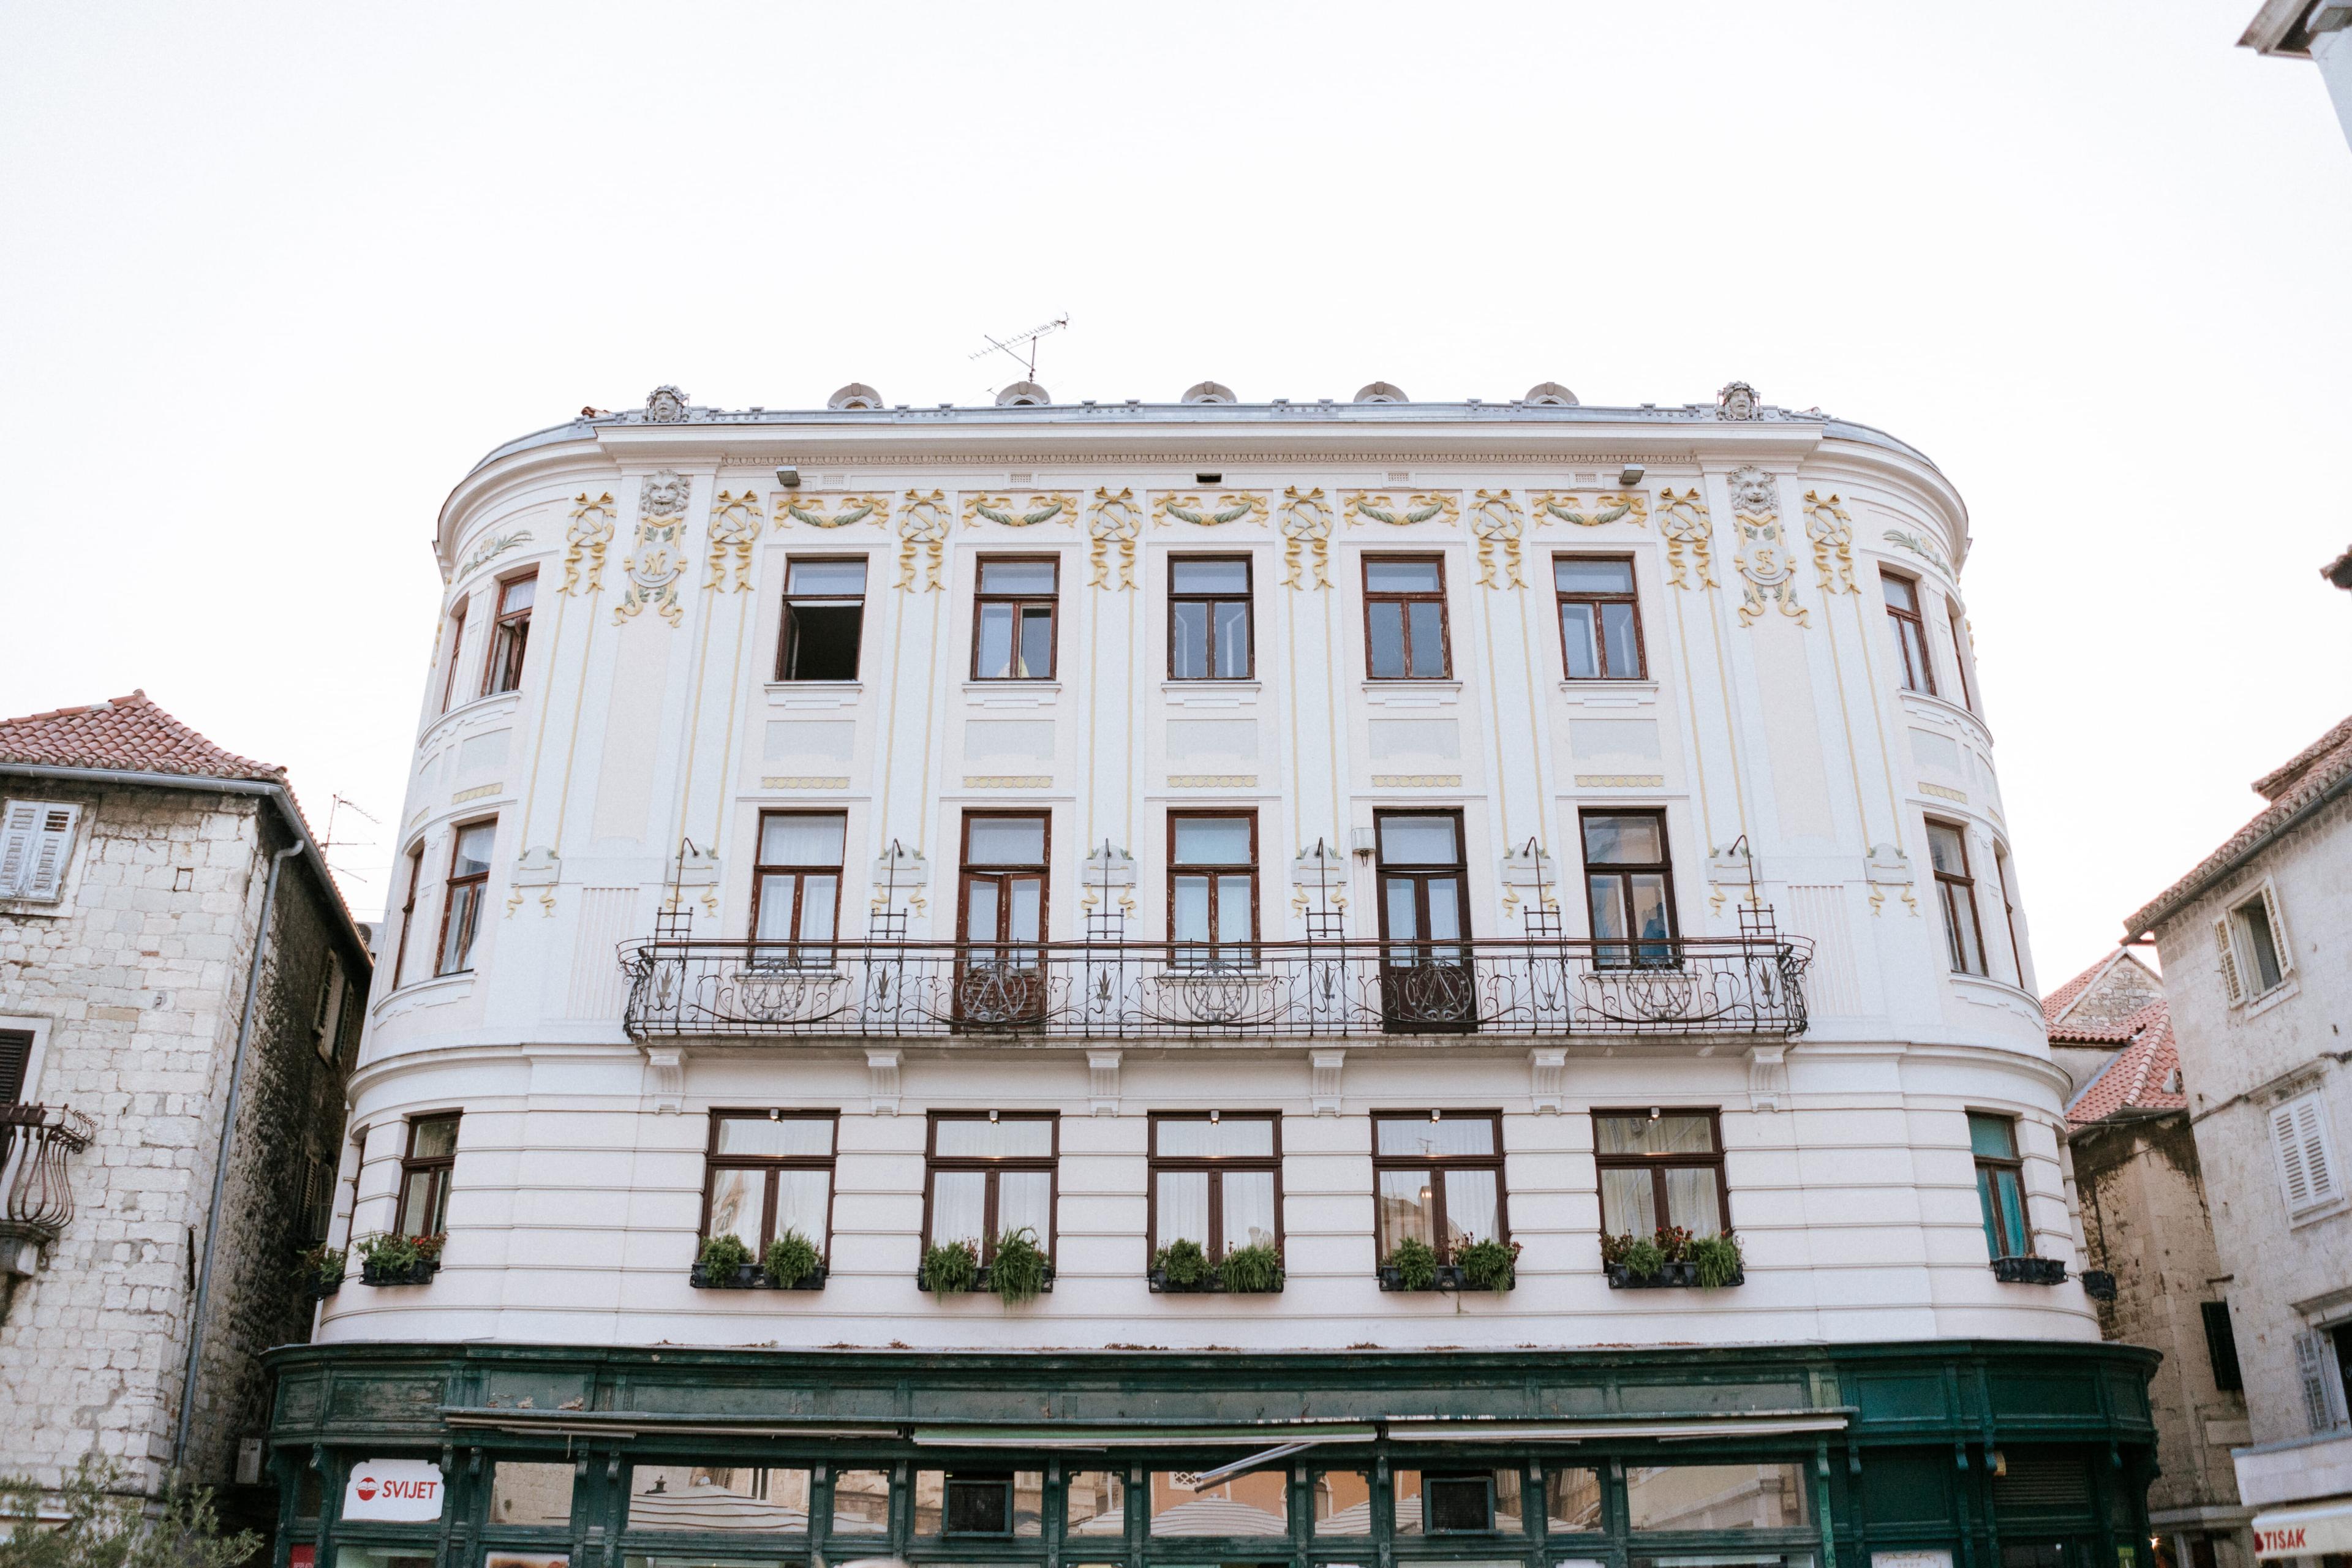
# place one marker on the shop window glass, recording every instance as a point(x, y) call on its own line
point(530, 1493)
point(384, 1557)
point(718, 1497)
point(1716, 1497)
point(861, 1503)
point(700, 1560)
point(978, 1502)
point(1257, 1503)
point(1094, 1503)
point(1455, 1502)
point(1571, 1500)
point(1343, 1502)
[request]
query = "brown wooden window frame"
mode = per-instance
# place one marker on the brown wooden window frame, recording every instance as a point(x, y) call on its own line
point(473, 883)
point(1420, 873)
point(993, 1167)
point(1630, 599)
point(1216, 1166)
point(788, 633)
point(2008, 910)
point(1247, 599)
point(437, 1169)
point(1409, 597)
point(509, 637)
point(713, 1162)
point(456, 647)
point(1945, 895)
point(761, 871)
point(1216, 945)
point(408, 911)
point(1437, 1165)
point(965, 871)
point(1960, 652)
point(1659, 1165)
point(1020, 603)
point(1624, 871)
point(1995, 1216)
point(1910, 632)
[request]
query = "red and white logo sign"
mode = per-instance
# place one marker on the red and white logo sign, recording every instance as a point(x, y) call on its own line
point(405, 1490)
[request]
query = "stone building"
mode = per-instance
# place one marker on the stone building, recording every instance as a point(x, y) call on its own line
point(2256, 944)
point(2145, 1226)
point(2319, 31)
point(142, 867)
point(1330, 982)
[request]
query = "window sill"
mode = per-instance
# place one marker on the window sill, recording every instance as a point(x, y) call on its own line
point(1944, 707)
point(1413, 693)
point(1013, 693)
point(473, 707)
point(1610, 693)
point(2318, 1212)
point(1211, 693)
point(2254, 1007)
point(448, 987)
point(815, 693)
point(1998, 992)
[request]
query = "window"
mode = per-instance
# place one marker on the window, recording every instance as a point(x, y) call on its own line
point(509, 635)
point(1094, 1503)
point(1716, 1497)
point(2001, 1184)
point(1661, 1169)
point(768, 1171)
point(408, 911)
point(1948, 851)
point(2306, 1153)
point(1217, 1178)
point(2221, 1347)
point(424, 1171)
point(1629, 887)
point(1437, 1177)
point(1424, 892)
point(978, 1502)
point(328, 1013)
point(796, 886)
point(461, 905)
point(2009, 916)
point(861, 1503)
point(740, 1498)
point(2255, 956)
point(1013, 619)
point(990, 1174)
point(530, 1492)
point(457, 643)
point(1209, 618)
point(15, 1056)
point(35, 844)
point(1459, 1502)
point(1961, 652)
point(315, 1207)
point(824, 617)
point(1404, 617)
point(1004, 876)
point(1211, 888)
point(1910, 631)
point(1600, 625)
point(1255, 1502)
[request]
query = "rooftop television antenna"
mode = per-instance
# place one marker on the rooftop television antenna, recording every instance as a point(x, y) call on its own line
point(1009, 346)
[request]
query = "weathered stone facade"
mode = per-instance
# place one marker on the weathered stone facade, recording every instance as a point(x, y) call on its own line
point(133, 984)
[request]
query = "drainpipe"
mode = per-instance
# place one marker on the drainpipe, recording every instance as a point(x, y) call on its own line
point(220, 1161)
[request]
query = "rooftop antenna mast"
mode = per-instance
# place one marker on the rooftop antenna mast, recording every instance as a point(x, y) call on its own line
point(1009, 346)
point(329, 844)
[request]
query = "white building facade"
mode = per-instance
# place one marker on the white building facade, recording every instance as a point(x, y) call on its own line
point(1335, 911)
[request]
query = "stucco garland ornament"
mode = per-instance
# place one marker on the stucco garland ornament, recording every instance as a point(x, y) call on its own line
point(492, 550)
point(1612, 507)
point(1306, 528)
point(1831, 531)
point(734, 525)
point(1922, 549)
point(923, 523)
point(590, 531)
point(659, 560)
point(1113, 523)
point(1040, 508)
point(1496, 521)
point(1230, 508)
point(666, 406)
point(1683, 521)
point(1382, 507)
point(1736, 400)
point(792, 508)
point(1764, 560)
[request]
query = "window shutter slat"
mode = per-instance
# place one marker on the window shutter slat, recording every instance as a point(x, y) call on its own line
point(2311, 1365)
point(2290, 1153)
point(2318, 1159)
point(2278, 931)
point(45, 879)
point(15, 1052)
point(18, 828)
point(2226, 949)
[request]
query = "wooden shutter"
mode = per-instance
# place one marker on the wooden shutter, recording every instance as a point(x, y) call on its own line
point(36, 840)
point(2307, 1160)
point(2278, 931)
point(18, 828)
point(15, 1052)
point(2311, 1365)
point(2225, 946)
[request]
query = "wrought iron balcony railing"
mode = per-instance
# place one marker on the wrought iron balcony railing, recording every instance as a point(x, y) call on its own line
point(35, 1141)
point(1748, 985)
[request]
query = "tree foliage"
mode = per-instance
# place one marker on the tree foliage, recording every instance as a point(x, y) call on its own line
point(105, 1525)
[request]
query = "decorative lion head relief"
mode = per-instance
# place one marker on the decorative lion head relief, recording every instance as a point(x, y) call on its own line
point(1831, 531)
point(923, 523)
point(666, 406)
point(1233, 506)
point(1383, 506)
point(1738, 401)
point(1764, 560)
point(660, 558)
point(1113, 523)
point(1498, 524)
point(1306, 528)
point(590, 530)
point(830, 511)
point(1038, 507)
point(734, 525)
point(1684, 522)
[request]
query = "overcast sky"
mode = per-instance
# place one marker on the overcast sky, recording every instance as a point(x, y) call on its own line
point(272, 279)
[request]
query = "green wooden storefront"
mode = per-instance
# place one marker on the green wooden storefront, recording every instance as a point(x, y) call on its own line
point(2000, 1454)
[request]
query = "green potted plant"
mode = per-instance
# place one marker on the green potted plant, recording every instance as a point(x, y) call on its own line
point(724, 1263)
point(949, 1268)
point(1018, 1271)
point(1181, 1266)
point(1715, 1261)
point(1412, 1266)
point(791, 1263)
point(389, 1260)
point(1490, 1265)
point(320, 1271)
point(1254, 1270)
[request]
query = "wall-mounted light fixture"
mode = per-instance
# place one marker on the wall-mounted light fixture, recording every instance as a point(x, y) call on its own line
point(789, 478)
point(1630, 474)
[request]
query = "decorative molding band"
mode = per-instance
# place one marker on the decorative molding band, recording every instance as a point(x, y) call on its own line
point(1658, 458)
point(1621, 781)
point(1008, 781)
point(1945, 792)
point(1212, 781)
point(1416, 780)
point(479, 792)
point(806, 781)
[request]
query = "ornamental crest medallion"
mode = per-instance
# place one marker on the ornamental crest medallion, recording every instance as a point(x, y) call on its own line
point(658, 560)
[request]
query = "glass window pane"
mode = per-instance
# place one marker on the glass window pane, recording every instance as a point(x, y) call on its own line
point(1233, 641)
point(1510, 1503)
point(1427, 622)
point(1028, 1502)
point(518, 595)
point(995, 661)
point(1444, 910)
point(1183, 1199)
point(1667, 1134)
point(982, 903)
point(1213, 840)
point(2256, 921)
point(1404, 1202)
point(1404, 1487)
point(1037, 644)
point(1627, 840)
point(1193, 575)
point(835, 576)
point(1025, 900)
point(1578, 574)
point(1025, 1201)
point(820, 899)
point(1191, 909)
point(1960, 906)
point(1606, 896)
point(861, 1503)
point(776, 895)
point(738, 1199)
point(1624, 645)
point(1188, 641)
point(959, 1206)
point(1471, 1208)
point(802, 1201)
point(1580, 638)
point(537, 1494)
point(1249, 1208)
point(1693, 1200)
point(1343, 1502)
point(1400, 576)
point(1402, 911)
point(1384, 626)
point(1016, 576)
point(1007, 841)
point(414, 1204)
point(1571, 1500)
point(1716, 1497)
point(1229, 1137)
point(1446, 1137)
point(1628, 1202)
point(717, 1497)
point(1993, 1244)
point(1257, 1503)
point(1010, 1137)
point(1649, 891)
point(433, 1137)
point(1094, 1503)
point(1899, 592)
point(473, 857)
point(929, 1502)
point(1233, 911)
point(1948, 850)
point(1991, 1136)
point(802, 840)
point(1419, 841)
point(2012, 1211)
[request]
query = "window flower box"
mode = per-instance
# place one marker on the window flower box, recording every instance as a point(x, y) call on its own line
point(1669, 1276)
point(1449, 1278)
point(413, 1273)
point(751, 1277)
point(1214, 1284)
point(2029, 1270)
point(982, 1283)
point(2098, 1285)
point(399, 1259)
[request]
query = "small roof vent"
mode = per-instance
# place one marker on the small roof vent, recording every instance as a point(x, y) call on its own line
point(1550, 394)
point(1024, 394)
point(1381, 392)
point(1210, 392)
point(856, 395)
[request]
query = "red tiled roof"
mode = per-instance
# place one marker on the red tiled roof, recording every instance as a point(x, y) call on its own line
point(2315, 773)
point(2055, 1005)
point(130, 733)
point(2141, 1077)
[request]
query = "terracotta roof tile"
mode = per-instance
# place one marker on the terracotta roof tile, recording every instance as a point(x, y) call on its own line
point(130, 733)
point(2315, 772)
point(2144, 1076)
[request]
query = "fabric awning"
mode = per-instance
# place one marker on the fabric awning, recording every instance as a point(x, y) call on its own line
point(2314, 1532)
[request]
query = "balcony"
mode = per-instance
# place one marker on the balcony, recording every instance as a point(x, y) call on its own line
point(36, 1142)
point(1747, 986)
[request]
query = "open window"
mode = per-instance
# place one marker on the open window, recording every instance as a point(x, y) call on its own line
point(824, 617)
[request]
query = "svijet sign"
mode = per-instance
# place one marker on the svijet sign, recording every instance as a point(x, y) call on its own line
point(399, 1490)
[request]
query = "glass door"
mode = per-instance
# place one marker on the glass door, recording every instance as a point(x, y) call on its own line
point(1000, 974)
point(1426, 981)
